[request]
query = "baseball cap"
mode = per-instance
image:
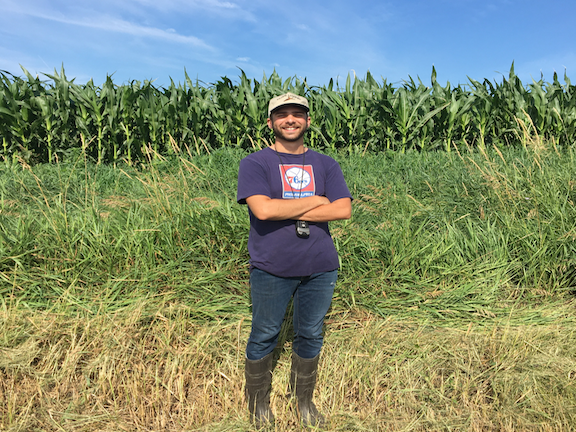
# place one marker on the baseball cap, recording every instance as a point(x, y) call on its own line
point(287, 99)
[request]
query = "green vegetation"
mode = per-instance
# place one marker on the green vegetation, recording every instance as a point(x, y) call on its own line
point(56, 119)
point(124, 298)
point(125, 301)
point(456, 234)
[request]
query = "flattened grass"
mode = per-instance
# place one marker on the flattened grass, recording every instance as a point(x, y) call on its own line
point(133, 370)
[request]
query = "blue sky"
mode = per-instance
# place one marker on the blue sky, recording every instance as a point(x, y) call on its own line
point(318, 40)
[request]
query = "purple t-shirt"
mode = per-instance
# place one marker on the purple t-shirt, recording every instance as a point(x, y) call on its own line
point(273, 245)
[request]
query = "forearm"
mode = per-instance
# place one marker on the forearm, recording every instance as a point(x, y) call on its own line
point(336, 210)
point(265, 208)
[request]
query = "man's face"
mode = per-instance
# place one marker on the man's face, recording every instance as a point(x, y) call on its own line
point(289, 123)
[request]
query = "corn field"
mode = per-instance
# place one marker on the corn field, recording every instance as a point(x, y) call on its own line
point(53, 119)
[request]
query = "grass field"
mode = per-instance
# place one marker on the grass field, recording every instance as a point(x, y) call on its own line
point(125, 302)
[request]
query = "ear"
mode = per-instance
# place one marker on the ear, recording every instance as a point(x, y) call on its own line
point(269, 121)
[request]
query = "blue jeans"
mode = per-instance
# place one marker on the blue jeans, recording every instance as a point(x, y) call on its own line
point(270, 298)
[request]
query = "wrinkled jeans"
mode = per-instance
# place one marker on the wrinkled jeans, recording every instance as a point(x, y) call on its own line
point(270, 298)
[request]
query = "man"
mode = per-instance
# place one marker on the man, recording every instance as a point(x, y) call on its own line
point(292, 192)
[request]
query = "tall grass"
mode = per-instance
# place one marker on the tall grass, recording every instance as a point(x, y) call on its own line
point(449, 235)
point(95, 235)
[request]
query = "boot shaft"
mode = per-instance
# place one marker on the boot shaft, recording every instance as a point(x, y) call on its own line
point(258, 375)
point(301, 385)
point(303, 374)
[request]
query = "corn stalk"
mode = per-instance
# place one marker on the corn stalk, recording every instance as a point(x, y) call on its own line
point(44, 121)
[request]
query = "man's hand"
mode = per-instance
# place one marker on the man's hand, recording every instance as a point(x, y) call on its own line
point(336, 210)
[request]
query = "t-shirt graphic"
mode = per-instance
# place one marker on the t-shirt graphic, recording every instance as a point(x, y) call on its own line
point(297, 181)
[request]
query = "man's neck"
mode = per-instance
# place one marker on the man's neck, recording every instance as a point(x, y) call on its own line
point(289, 147)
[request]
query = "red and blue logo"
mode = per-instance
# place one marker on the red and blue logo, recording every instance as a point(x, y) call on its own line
point(297, 181)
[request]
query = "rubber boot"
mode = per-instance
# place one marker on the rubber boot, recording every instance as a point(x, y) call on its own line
point(302, 383)
point(258, 386)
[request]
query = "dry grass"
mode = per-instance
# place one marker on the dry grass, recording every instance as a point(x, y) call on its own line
point(138, 371)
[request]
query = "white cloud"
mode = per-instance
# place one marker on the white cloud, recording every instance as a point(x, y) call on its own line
point(179, 4)
point(225, 9)
point(118, 25)
point(112, 24)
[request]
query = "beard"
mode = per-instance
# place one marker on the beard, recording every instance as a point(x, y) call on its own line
point(279, 133)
